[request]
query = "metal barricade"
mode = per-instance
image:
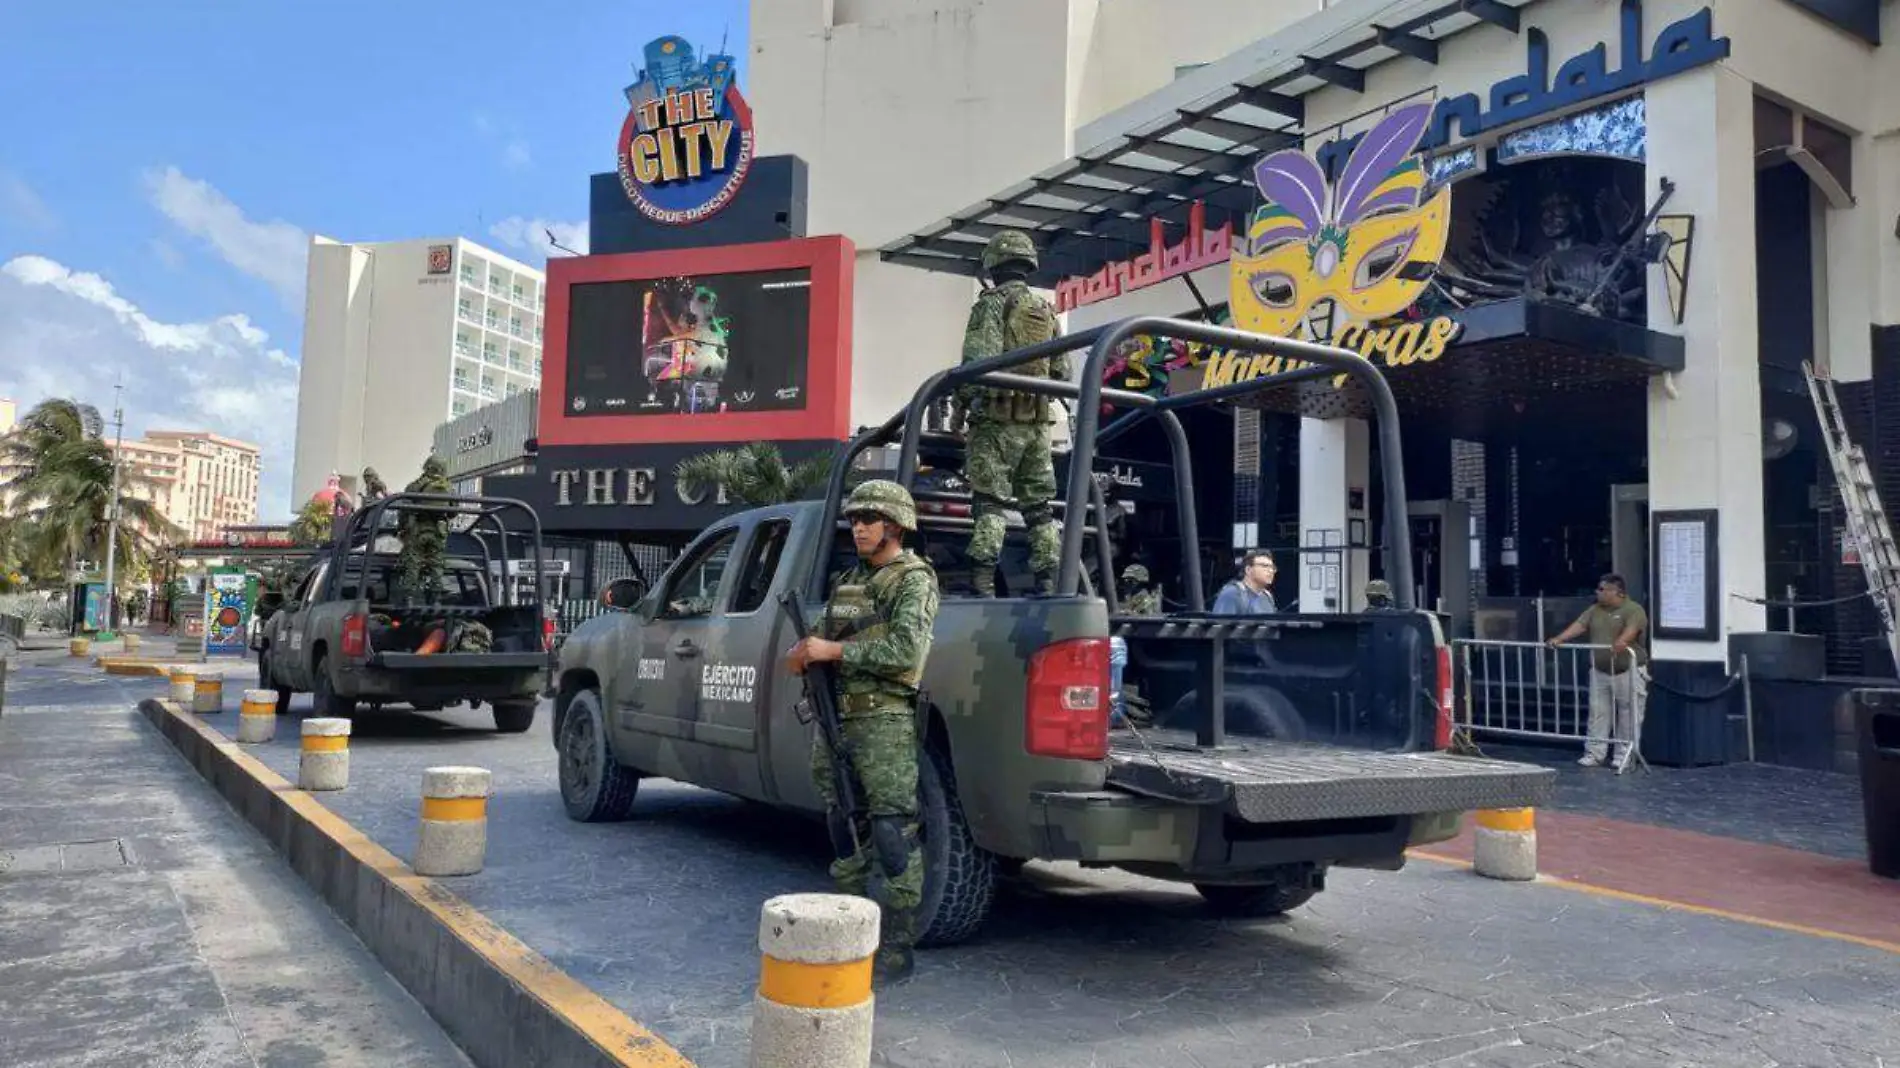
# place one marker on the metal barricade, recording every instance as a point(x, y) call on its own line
point(1514, 689)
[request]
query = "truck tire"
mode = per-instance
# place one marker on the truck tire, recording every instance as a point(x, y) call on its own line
point(513, 717)
point(328, 701)
point(265, 681)
point(959, 875)
point(1272, 899)
point(594, 787)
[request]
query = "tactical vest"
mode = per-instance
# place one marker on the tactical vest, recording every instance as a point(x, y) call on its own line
point(853, 614)
point(1013, 406)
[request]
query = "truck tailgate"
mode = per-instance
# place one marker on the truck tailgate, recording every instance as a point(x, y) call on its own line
point(460, 661)
point(1278, 782)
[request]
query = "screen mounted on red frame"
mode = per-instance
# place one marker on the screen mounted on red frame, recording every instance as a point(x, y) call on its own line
point(733, 343)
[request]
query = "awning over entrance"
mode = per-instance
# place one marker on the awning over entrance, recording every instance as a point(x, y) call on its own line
point(1192, 141)
point(1506, 355)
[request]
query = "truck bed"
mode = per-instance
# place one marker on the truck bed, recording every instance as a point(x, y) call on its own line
point(1263, 781)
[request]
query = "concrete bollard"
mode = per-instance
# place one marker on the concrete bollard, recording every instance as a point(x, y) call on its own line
point(132, 642)
point(1506, 844)
point(78, 646)
point(184, 686)
point(325, 761)
point(257, 716)
point(814, 1004)
point(454, 834)
point(207, 694)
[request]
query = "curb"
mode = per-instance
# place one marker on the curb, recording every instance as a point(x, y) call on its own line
point(114, 665)
point(503, 1003)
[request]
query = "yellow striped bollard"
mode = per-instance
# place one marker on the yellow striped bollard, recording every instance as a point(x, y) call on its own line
point(184, 686)
point(814, 1005)
point(454, 834)
point(1505, 844)
point(325, 761)
point(78, 646)
point(257, 716)
point(207, 693)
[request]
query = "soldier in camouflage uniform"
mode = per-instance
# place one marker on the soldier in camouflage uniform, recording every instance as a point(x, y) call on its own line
point(1009, 456)
point(1139, 598)
point(424, 536)
point(877, 628)
point(374, 489)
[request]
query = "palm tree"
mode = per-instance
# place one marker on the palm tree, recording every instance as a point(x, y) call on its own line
point(57, 469)
point(312, 523)
point(754, 474)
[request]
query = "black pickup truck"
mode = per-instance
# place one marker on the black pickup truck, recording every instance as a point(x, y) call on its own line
point(349, 635)
point(1295, 742)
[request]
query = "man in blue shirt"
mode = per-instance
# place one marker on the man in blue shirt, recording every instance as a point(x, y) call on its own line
point(1252, 593)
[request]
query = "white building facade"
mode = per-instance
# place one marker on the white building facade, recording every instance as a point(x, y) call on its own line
point(400, 336)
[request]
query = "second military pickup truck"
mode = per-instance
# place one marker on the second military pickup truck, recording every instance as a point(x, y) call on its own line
point(1294, 743)
point(350, 635)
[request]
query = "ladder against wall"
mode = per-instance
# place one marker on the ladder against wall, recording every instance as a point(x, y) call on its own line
point(1866, 519)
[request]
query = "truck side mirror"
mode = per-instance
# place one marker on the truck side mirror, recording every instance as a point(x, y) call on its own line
point(623, 593)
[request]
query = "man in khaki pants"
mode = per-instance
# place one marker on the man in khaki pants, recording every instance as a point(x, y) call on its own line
point(1619, 676)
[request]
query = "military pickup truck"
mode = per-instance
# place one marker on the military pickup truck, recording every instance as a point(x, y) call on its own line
point(1290, 743)
point(349, 635)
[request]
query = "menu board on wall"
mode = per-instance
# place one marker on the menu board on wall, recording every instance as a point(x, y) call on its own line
point(1687, 575)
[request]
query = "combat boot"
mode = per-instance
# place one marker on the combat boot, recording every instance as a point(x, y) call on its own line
point(895, 959)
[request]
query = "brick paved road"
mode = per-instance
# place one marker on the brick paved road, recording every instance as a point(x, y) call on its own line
point(1430, 966)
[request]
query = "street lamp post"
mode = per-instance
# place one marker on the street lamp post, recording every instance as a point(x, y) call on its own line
point(112, 505)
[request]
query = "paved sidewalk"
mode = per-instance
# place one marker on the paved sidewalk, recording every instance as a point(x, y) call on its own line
point(142, 924)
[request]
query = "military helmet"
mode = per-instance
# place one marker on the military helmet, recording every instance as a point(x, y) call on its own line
point(1134, 573)
point(883, 497)
point(434, 465)
point(1009, 245)
point(1378, 588)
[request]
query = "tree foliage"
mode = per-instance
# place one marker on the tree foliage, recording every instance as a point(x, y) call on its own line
point(312, 524)
point(57, 472)
point(753, 474)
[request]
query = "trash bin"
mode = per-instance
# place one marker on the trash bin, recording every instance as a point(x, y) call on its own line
point(1877, 725)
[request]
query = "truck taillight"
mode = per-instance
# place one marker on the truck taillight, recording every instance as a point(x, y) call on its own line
point(1441, 735)
point(355, 634)
point(1067, 713)
point(547, 634)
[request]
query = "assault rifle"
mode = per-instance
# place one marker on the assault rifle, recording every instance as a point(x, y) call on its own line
point(842, 819)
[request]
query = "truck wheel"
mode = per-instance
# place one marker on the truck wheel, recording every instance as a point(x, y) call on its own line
point(513, 717)
point(959, 875)
point(328, 701)
point(1254, 901)
point(266, 682)
point(594, 787)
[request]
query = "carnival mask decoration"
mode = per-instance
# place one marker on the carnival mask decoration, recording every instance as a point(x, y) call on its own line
point(1368, 243)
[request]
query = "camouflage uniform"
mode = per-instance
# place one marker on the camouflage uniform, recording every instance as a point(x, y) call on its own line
point(1146, 599)
point(374, 488)
point(1009, 456)
point(884, 617)
point(1378, 595)
point(424, 537)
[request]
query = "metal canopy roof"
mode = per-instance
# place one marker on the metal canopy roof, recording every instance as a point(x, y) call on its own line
point(1159, 155)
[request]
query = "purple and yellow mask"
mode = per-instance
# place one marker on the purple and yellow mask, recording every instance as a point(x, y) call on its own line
point(1368, 242)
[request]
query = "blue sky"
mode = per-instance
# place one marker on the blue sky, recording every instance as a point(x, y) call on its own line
point(162, 167)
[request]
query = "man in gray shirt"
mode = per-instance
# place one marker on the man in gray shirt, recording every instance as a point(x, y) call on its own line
point(1252, 593)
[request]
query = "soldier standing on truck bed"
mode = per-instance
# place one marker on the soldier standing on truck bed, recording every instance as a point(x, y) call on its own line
point(877, 628)
point(424, 536)
point(1009, 456)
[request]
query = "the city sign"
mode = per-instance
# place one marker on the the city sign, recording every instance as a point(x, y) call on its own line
point(688, 142)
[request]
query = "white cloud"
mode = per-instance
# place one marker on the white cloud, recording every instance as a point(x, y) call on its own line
point(531, 235)
point(166, 254)
point(21, 204)
point(273, 251)
point(66, 333)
